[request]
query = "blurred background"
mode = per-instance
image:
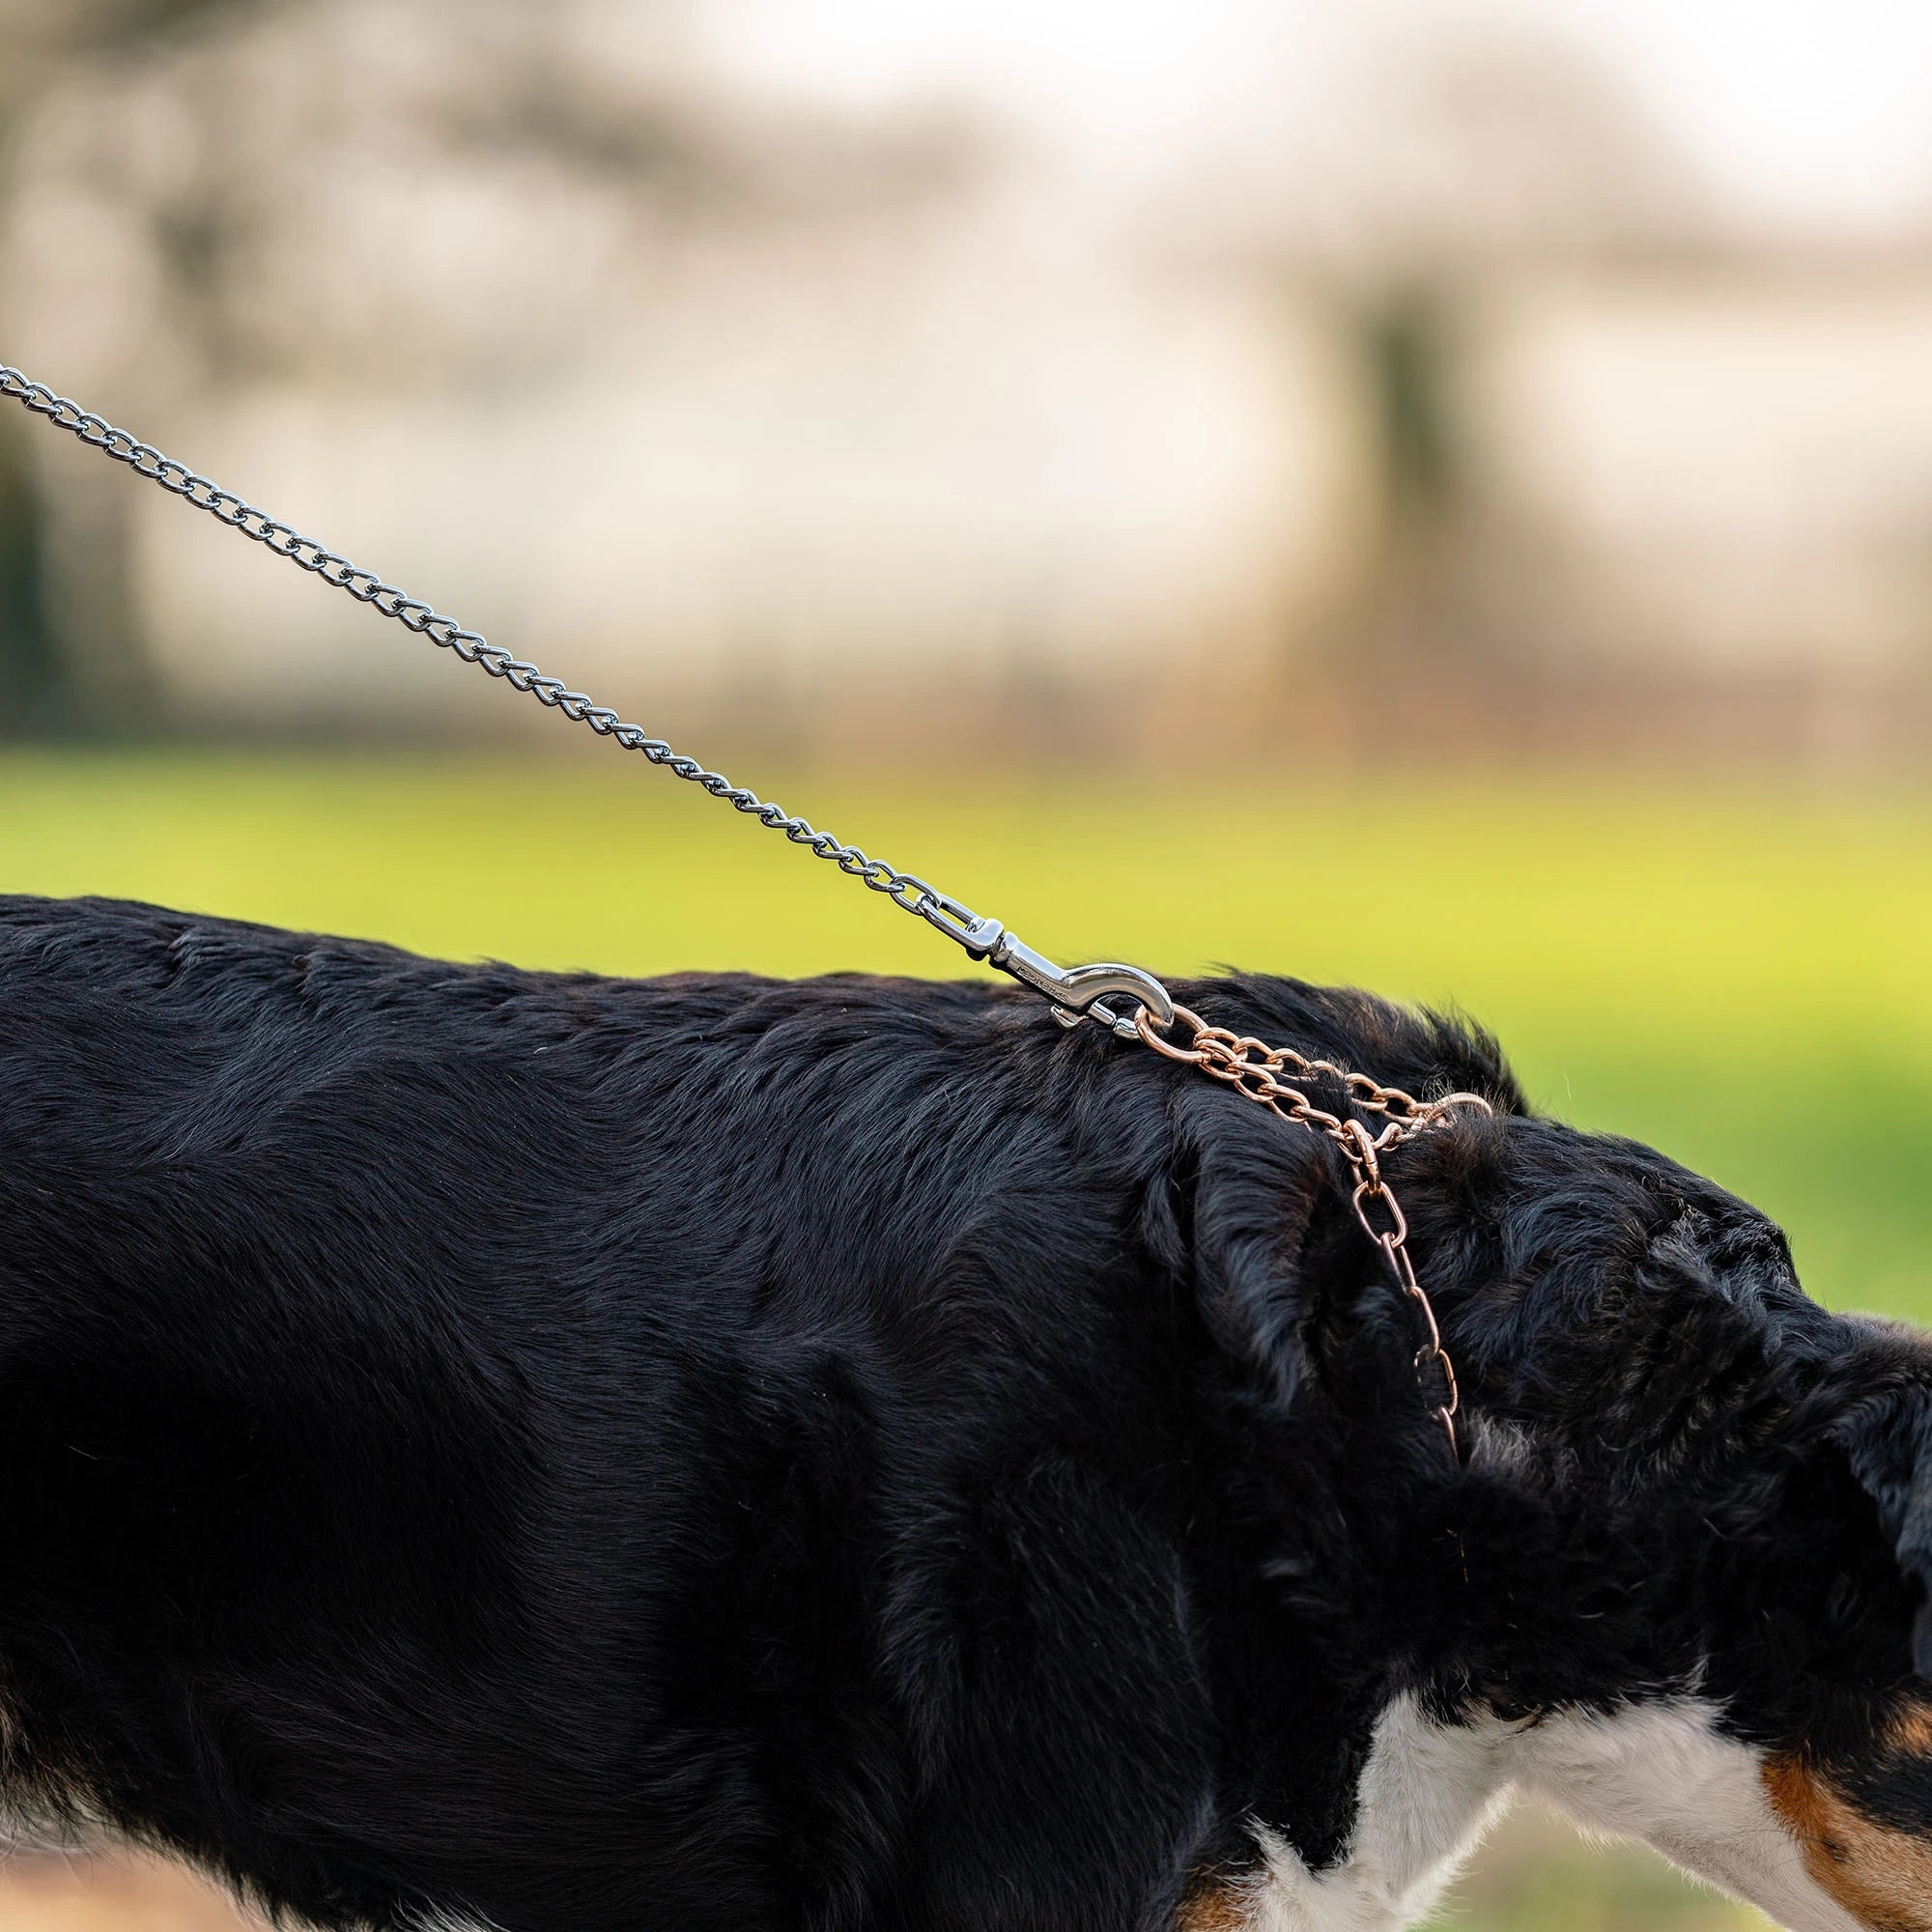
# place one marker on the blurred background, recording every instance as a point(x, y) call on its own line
point(1432, 495)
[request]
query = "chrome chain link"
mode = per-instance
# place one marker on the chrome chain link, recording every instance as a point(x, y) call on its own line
point(1131, 1003)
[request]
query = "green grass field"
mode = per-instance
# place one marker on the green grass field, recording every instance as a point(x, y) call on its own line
point(1740, 976)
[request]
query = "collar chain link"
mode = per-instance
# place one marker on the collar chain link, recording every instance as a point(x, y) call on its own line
point(1266, 1075)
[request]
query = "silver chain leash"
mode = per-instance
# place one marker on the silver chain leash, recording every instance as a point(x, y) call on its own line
point(1075, 992)
point(1131, 1003)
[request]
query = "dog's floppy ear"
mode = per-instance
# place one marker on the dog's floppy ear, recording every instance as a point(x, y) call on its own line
point(1251, 1195)
point(1889, 1443)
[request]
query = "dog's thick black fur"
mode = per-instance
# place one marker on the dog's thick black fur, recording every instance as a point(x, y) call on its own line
point(718, 1453)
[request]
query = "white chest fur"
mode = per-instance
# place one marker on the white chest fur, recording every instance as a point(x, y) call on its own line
point(1427, 1795)
point(1661, 1773)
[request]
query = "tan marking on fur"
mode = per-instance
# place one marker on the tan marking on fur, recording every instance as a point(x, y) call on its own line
point(1910, 1733)
point(1215, 1903)
point(1883, 1878)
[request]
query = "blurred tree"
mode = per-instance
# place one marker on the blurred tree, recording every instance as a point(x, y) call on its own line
point(490, 203)
point(1495, 152)
point(1414, 606)
point(1409, 361)
point(49, 41)
point(32, 689)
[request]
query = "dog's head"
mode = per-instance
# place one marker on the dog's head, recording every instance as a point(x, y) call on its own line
point(1681, 1583)
point(1699, 1525)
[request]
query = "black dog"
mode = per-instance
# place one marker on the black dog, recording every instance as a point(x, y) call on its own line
point(490, 1448)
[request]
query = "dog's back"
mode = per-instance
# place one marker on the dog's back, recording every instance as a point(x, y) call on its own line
point(543, 1443)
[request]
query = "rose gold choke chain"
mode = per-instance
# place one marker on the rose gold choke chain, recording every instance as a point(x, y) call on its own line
point(1256, 1071)
point(1124, 999)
